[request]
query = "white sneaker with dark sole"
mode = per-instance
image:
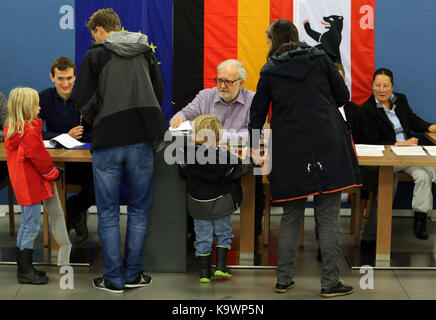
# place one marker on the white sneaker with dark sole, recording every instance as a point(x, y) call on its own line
point(102, 284)
point(142, 280)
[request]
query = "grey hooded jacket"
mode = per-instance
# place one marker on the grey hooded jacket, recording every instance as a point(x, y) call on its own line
point(119, 91)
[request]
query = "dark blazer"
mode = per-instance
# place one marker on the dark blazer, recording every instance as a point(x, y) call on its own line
point(380, 127)
point(356, 118)
point(312, 151)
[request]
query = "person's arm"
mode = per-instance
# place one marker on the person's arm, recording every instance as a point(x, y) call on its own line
point(259, 108)
point(44, 102)
point(337, 84)
point(156, 78)
point(416, 123)
point(191, 111)
point(35, 151)
point(87, 132)
point(87, 86)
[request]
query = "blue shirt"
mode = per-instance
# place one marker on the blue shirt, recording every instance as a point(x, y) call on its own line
point(60, 116)
point(399, 131)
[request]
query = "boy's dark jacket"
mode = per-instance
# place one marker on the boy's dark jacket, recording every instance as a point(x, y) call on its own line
point(213, 186)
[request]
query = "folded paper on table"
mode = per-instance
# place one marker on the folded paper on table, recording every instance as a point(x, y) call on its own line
point(431, 150)
point(408, 150)
point(65, 140)
point(369, 150)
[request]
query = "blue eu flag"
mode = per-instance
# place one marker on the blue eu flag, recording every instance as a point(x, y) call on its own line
point(151, 17)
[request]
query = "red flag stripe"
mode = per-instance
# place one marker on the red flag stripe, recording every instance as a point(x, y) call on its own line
point(362, 49)
point(282, 9)
point(220, 36)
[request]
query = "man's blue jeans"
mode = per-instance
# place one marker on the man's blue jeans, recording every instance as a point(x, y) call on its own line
point(109, 164)
point(207, 230)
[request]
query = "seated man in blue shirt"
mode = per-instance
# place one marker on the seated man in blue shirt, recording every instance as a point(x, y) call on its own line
point(61, 115)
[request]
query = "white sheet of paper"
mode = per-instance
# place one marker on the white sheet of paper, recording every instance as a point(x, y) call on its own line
point(369, 150)
point(408, 151)
point(185, 126)
point(66, 140)
point(431, 150)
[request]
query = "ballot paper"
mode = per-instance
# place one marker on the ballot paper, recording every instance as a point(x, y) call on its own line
point(369, 150)
point(185, 126)
point(408, 150)
point(64, 140)
point(431, 150)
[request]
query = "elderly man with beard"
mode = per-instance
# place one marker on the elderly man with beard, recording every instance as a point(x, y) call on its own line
point(230, 102)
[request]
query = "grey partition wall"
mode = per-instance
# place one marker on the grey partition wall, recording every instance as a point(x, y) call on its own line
point(165, 244)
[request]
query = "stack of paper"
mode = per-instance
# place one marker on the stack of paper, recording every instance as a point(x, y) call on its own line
point(65, 140)
point(431, 150)
point(408, 150)
point(369, 150)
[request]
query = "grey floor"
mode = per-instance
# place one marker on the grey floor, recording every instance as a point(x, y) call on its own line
point(245, 284)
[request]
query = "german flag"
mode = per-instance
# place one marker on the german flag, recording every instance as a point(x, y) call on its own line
point(207, 32)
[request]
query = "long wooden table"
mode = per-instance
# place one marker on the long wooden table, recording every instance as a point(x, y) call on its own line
point(246, 233)
point(385, 190)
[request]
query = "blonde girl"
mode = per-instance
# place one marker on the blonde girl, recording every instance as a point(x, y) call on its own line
point(32, 174)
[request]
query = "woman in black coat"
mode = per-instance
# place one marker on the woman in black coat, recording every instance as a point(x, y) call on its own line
point(391, 122)
point(312, 150)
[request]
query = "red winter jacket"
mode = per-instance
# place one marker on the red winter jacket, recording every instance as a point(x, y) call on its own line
point(30, 166)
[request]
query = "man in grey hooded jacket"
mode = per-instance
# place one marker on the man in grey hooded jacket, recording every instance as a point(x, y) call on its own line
point(119, 92)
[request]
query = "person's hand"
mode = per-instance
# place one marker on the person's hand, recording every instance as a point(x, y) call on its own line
point(76, 132)
point(257, 156)
point(409, 142)
point(61, 173)
point(432, 128)
point(176, 121)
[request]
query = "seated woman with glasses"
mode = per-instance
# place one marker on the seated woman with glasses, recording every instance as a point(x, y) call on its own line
point(391, 122)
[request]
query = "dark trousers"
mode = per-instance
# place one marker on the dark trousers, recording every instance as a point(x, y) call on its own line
point(259, 207)
point(81, 174)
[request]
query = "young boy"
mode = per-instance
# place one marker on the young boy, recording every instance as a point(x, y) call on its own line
point(212, 193)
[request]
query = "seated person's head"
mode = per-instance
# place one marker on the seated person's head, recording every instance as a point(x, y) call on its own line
point(383, 84)
point(207, 129)
point(231, 75)
point(63, 75)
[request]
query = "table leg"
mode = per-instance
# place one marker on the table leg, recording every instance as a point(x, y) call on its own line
point(246, 220)
point(384, 217)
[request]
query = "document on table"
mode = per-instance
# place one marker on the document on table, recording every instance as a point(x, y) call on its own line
point(184, 126)
point(431, 150)
point(408, 150)
point(369, 150)
point(65, 140)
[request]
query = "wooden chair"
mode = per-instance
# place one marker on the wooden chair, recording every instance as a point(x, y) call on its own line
point(7, 183)
point(69, 188)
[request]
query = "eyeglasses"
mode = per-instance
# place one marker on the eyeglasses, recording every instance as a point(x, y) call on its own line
point(379, 87)
point(219, 81)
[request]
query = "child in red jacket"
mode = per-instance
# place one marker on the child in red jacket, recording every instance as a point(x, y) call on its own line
point(32, 174)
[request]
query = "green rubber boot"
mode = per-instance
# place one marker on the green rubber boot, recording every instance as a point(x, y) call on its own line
point(221, 269)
